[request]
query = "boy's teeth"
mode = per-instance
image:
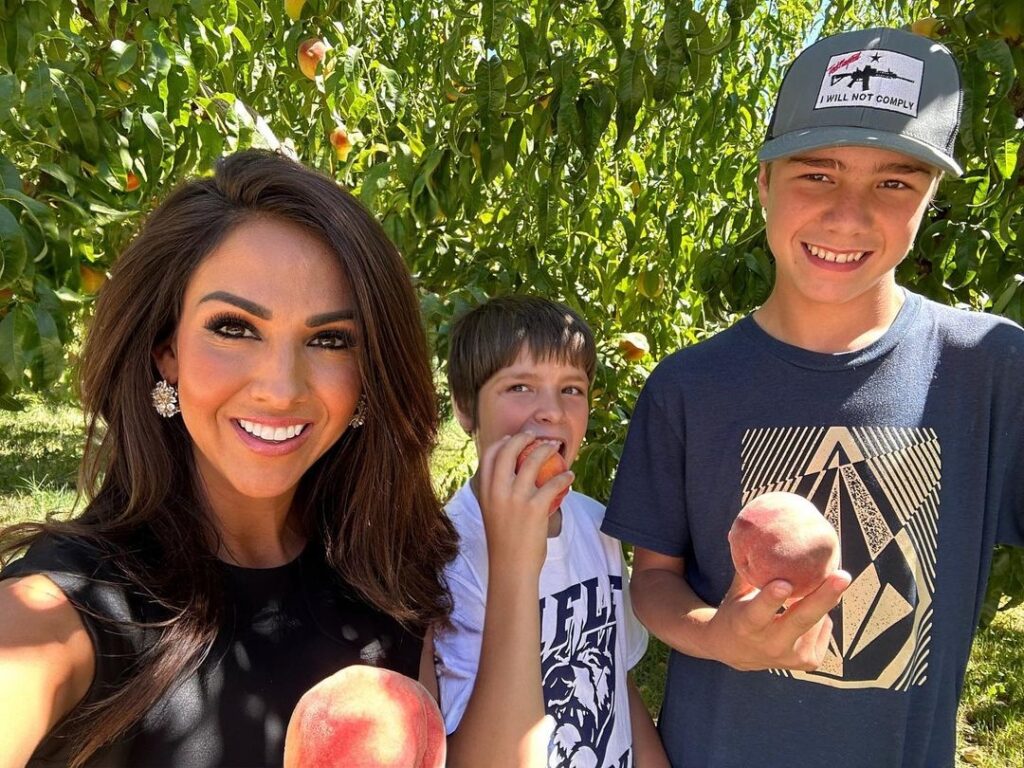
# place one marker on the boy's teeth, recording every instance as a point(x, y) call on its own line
point(271, 434)
point(838, 258)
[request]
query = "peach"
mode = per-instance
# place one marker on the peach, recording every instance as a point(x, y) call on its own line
point(633, 346)
point(782, 535)
point(294, 8)
point(365, 717)
point(312, 52)
point(341, 142)
point(553, 465)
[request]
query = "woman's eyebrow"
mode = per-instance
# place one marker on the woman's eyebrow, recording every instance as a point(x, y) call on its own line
point(249, 306)
point(265, 314)
point(330, 317)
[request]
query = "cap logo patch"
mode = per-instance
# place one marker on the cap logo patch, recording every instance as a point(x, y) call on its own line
point(877, 79)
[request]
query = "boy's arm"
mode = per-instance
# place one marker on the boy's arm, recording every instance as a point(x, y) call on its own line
point(504, 722)
point(746, 631)
point(647, 749)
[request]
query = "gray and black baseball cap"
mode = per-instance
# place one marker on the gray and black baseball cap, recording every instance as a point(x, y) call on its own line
point(873, 88)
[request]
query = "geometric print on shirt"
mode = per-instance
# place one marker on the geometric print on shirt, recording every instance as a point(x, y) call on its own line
point(879, 488)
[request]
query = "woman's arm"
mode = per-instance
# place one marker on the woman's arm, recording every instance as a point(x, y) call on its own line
point(46, 664)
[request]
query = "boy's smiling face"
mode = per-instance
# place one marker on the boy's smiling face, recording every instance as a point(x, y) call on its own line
point(546, 397)
point(839, 221)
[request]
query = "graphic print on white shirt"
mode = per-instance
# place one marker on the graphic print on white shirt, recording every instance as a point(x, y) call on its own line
point(578, 637)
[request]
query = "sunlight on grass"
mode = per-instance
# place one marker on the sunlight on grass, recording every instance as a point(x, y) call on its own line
point(991, 723)
point(453, 461)
point(40, 449)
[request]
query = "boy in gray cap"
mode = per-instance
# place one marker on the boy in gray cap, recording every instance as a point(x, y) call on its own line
point(901, 419)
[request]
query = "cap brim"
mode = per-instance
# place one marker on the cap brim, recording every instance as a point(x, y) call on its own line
point(821, 137)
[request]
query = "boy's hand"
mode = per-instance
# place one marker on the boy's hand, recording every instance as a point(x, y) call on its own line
point(515, 510)
point(749, 633)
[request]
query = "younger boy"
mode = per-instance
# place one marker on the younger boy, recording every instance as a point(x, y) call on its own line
point(902, 419)
point(519, 370)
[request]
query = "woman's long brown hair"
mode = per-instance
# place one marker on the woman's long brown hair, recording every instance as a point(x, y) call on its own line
point(368, 501)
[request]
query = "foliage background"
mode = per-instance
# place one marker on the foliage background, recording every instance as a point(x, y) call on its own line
point(597, 151)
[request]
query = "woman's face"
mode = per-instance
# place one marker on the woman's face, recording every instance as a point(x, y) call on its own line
point(264, 360)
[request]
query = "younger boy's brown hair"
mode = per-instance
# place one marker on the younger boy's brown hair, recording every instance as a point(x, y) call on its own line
point(491, 336)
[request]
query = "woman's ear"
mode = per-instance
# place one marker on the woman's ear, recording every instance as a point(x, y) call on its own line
point(165, 356)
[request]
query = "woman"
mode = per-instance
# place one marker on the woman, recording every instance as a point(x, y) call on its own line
point(261, 514)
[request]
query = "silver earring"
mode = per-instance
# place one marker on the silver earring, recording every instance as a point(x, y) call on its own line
point(165, 399)
point(359, 417)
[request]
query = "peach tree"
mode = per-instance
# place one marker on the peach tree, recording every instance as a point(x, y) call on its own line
point(598, 151)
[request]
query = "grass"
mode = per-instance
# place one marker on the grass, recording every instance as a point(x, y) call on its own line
point(40, 449)
point(39, 453)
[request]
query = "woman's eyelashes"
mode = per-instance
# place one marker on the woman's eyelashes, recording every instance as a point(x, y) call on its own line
point(337, 338)
point(229, 326)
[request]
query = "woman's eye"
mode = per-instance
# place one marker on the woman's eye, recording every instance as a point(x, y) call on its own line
point(232, 329)
point(518, 388)
point(574, 390)
point(333, 340)
point(894, 184)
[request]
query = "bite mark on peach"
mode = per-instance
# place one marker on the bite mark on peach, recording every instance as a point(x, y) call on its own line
point(553, 465)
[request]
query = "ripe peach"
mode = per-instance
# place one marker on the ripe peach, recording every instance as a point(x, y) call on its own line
point(311, 52)
point(131, 182)
point(341, 142)
point(782, 535)
point(92, 279)
point(928, 27)
point(365, 717)
point(633, 346)
point(553, 465)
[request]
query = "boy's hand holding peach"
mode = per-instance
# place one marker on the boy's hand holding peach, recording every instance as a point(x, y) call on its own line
point(786, 555)
point(748, 632)
point(515, 510)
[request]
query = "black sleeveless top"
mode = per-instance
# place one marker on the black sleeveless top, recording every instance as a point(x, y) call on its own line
point(286, 629)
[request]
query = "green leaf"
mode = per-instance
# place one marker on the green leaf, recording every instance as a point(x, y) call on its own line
point(76, 116)
point(701, 63)
point(596, 105)
point(373, 181)
point(13, 356)
point(47, 359)
point(38, 93)
point(629, 92)
point(490, 86)
point(13, 250)
point(120, 58)
point(529, 50)
point(160, 8)
point(613, 19)
point(1005, 157)
point(672, 53)
point(9, 176)
point(490, 101)
point(567, 86)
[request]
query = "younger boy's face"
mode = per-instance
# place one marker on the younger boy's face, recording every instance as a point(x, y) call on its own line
point(840, 219)
point(546, 397)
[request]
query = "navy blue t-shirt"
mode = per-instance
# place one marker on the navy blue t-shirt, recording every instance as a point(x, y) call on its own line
point(286, 628)
point(913, 448)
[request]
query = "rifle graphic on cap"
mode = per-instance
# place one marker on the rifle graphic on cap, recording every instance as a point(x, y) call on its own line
point(864, 75)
